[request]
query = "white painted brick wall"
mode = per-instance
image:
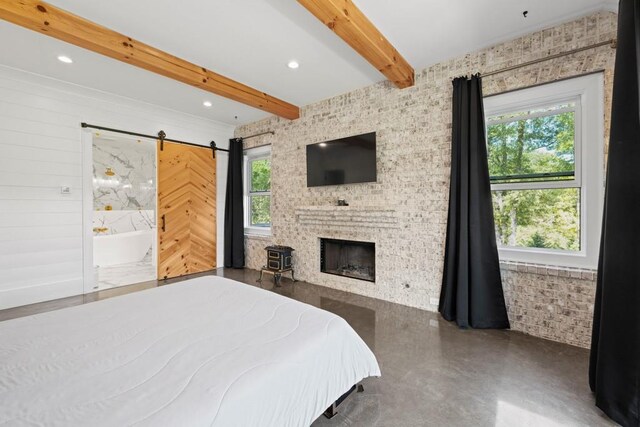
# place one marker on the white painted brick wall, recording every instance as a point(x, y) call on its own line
point(413, 128)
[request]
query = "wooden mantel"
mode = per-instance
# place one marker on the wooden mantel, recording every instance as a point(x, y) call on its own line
point(347, 21)
point(60, 24)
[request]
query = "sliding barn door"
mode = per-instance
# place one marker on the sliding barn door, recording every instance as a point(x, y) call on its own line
point(186, 210)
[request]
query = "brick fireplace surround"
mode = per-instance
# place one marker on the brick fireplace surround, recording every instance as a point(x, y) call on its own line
point(405, 212)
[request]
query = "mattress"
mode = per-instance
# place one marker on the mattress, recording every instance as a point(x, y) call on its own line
point(207, 351)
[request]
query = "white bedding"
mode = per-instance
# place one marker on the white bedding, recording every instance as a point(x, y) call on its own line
point(207, 351)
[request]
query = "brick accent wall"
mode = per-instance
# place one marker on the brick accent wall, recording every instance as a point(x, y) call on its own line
point(550, 302)
point(413, 128)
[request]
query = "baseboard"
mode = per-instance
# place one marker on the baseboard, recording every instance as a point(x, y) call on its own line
point(38, 293)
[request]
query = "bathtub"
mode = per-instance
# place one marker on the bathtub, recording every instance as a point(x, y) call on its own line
point(121, 248)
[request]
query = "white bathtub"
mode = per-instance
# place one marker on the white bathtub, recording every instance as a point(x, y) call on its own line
point(121, 248)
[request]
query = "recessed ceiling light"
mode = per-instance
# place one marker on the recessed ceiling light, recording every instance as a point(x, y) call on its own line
point(65, 59)
point(293, 65)
point(323, 144)
point(207, 104)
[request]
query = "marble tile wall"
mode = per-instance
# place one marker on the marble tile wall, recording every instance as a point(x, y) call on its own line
point(133, 164)
point(413, 128)
point(114, 222)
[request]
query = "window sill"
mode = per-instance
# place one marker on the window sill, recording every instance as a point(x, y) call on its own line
point(262, 239)
point(257, 232)
point(549, 270)
point(562, 259)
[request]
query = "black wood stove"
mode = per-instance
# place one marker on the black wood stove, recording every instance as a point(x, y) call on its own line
point(278, 262)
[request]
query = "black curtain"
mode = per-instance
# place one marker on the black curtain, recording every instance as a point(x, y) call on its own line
point(614, 371)
point(234, 208)
point(471, 285)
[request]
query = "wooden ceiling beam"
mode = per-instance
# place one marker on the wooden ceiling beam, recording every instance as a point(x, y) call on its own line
point(350, 24)
point(60, 24)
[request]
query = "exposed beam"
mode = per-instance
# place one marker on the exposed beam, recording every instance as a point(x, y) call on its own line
point(348, 22)
point(60, 24)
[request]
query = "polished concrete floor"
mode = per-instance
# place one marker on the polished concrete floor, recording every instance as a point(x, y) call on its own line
point(433, 374)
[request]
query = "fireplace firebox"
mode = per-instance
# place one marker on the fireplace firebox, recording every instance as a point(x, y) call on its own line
point(348, 258)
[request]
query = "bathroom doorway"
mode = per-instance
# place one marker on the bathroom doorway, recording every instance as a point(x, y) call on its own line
point(124, 211)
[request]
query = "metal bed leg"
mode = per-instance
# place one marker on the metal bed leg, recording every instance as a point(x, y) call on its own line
point(332, 410)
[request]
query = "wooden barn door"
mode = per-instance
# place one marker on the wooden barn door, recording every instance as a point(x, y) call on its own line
point(186, 210)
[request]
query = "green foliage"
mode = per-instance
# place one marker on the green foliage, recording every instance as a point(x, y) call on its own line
point(261, 175)
point(260, 182)
point(537, 241)
point(261, 211)
point(537, 145)
point(542, 218)
point(552, 214)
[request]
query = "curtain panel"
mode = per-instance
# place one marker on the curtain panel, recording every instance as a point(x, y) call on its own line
point(234, 208)
point(471, 294)
point(614, 371)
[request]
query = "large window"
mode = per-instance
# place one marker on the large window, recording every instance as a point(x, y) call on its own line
point(545, 164)
point(258, 190)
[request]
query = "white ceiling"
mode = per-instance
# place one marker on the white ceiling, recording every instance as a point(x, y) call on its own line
point(251, 41)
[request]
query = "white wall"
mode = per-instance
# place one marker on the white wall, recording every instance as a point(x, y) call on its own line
point(41, 150)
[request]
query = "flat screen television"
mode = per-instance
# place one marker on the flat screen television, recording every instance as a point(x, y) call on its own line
point(342, 161)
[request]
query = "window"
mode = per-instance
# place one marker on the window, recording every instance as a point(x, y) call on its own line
point(545, 154)
point(258, 190)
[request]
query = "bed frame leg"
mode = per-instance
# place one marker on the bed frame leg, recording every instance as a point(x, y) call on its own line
point(332, 410)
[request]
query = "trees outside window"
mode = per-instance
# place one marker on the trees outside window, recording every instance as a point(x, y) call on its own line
point(545, 149)
point(529, 150)
point(258, 191)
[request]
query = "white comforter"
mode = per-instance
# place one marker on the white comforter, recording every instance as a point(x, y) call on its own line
point(208, 351)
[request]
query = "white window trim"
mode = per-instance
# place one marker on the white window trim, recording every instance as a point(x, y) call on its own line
point(589, 91)
point(250, 155)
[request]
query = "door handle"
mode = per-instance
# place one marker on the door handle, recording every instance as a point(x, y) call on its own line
point(164, 224)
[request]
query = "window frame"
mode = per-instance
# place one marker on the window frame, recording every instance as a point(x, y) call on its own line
point(588, 94)
point(252, 155)
point(576, 182)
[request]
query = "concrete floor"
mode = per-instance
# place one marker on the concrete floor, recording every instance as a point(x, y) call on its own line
point(433, 374)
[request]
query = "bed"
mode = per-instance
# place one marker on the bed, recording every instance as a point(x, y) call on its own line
point(206, 351)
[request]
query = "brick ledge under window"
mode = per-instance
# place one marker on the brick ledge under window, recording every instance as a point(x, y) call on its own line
point(549, 270)
point(258, 236)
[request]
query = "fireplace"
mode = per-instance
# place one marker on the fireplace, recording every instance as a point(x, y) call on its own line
point(348, 258)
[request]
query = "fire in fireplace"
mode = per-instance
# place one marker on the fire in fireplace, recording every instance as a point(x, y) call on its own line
point(348, 258)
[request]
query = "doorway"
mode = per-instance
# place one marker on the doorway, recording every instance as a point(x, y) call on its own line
point(149, 209)
point(123, 219)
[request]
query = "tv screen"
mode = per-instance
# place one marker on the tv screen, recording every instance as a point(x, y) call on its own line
point(342, 161)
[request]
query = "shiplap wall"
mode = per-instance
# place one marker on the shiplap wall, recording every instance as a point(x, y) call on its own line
point(41, 150)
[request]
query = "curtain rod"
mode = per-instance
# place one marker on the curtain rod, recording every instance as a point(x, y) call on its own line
point(161, 136)
point(257, 134)
point(515, 89)
point(610, 42)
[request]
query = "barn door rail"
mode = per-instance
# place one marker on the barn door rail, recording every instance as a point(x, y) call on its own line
point(162, 136)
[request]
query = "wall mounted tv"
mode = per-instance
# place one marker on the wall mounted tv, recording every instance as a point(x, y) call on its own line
point(342, 161)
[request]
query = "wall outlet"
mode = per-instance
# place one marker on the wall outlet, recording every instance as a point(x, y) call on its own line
point(65, 190)
point(434, 301)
